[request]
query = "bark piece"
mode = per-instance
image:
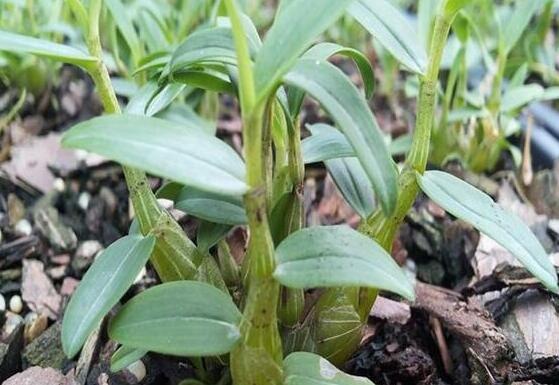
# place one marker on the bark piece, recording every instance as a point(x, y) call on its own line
point(485, 343)
point(391, 311)
point(532, 327)
point(10, 353)
point(46, 350)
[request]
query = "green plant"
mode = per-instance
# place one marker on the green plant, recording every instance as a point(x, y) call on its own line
point(264, 191)
point(474, 125)
point(39, 18)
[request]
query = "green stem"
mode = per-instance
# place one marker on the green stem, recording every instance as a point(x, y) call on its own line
point(380, 227)
point(175, 256)
point(143, 199)
point(257, 358)
point(496, 89)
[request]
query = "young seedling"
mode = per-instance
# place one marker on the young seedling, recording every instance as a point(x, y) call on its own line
point(196, 316)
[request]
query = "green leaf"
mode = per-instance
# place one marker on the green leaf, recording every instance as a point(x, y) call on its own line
point(212, 207)
point(550, 93)
point(209, 234)
point(352, 181)
point(152, 99)
point(337, 256)
point(302, 368)
point(125, 356)
point(167, 149)
point(106, 281)
point(473, 206)
point(349, 109)
point(323, 51)
point(517, 23)
point(326, 142)
point(391, 28)
point(206, 79)
point(16, 43)
point(125, 26)
point(294, 29)
point(337, 327)
point(520, 96)
point(184, 318)
point(453, 6)
point(211, 45)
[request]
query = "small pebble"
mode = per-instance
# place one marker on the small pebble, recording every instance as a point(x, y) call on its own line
point(2, 303)
point(1, 236)
point(23, 228)
point(12, 321)
point(16, 304)
point(138, 369)
point(83, 200)
point(35, 324)
point(59, 185)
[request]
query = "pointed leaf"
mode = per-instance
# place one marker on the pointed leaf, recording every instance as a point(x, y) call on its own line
point(520, 96)
point(473, 206)
point(184, 318)
point(323, 51)
point(211, 45)
point(348, 108)
point(16, 43)
point(125, 26)
point(302, 368)
point(293, 31)
point(352, 181)
point(167, 149)
point(106, 281)
point(212, 207)
point(337, 256)
point(326, 142)
point(392, 30)
point(518, 21)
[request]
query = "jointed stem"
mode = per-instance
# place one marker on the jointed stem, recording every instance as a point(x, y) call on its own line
point(175, 256)
point(257, 358)
point(379, 226)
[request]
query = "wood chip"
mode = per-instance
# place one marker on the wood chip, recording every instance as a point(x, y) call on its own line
point(391, 311)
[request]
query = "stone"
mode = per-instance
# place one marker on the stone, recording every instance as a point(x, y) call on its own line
point(85, 254)
point(60, 236)
point(83, 200)
point(68, 286)
point(16, 305)
point(35, 325)
point(2, 303)
point(16, 209)
point(10, 324)
point(23, 228)
point(38, 291)
point(137, 369)
point(40, 376)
